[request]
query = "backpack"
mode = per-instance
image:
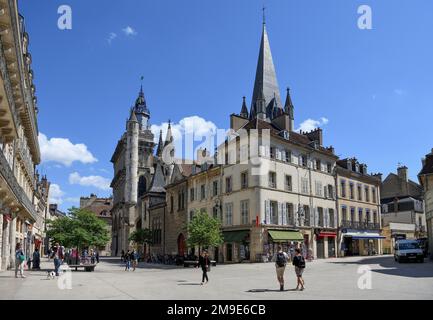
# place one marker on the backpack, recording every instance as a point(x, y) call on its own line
point(301, 262)
point(281, 260)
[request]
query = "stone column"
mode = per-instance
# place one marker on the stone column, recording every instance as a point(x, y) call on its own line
point(6, 245)
point(12, 241)
point(1, 240)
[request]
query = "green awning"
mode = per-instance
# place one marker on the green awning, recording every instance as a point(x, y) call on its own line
point(235, 236)
point(281, 235)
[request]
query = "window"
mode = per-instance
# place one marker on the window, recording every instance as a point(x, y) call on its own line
point(244, 153)
point(215, 188)
point(215, 212)
point(318, 165)
point(272, 180)
point(244, 180)
point(375, 217)
point(306, 211)
point(141, 186)
point(179, 201)
point(352, 215)
point(319, 188)
point(304, 161)
point(330, 191)
point(171, 204)
point(359, 192)
point(274, 212)
point(288, 156)
point(367, 194)
point(344, 214)
point(351, 191)
point(229, 214)
point(288, 183)
point(290, 214)
point(229, 184)
point(245, 215)
point(367, 212)
point(373, 192)
point(202, 192)
point(320, 216)
point(329, 167)
point(343, 188)
point(272, 152)
point(304, 185)
point(331, 218)
point(360, 218)
point(191, 194)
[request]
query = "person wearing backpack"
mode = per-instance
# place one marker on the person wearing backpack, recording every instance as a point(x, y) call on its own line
point(280, 259)
point(299, 263)
point(19, 261)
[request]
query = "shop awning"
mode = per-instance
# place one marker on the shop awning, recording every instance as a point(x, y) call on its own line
point(328, 234)
point(363, 235)
point(235, 236)
point(282, 235)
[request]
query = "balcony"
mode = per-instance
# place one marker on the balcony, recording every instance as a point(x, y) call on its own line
point(360, 225)
point(20, 195)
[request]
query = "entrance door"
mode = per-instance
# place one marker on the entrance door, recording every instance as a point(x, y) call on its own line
point(181, 245)
point(331, 247)
point(229, 252)
point(216, 254)
point(320, 248)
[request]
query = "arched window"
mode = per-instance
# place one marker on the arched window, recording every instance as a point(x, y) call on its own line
point(141, 186)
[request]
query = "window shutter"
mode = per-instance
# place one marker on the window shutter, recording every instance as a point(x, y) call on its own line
point(284, 214)
point(280, 213)
point(296, 214)
point(278, 153)
point(267, 212)
point(325, 190)
point(326, 218)
point(316, 220)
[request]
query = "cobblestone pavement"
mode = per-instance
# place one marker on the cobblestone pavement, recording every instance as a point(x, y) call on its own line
point(324, 279)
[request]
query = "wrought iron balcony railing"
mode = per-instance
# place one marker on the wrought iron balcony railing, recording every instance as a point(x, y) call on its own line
point(360, 225)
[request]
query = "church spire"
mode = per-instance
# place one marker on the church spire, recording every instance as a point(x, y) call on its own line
point(289, 109)
point(160, 145)
point(266, 79)
point(244, 109)
point(169, 137)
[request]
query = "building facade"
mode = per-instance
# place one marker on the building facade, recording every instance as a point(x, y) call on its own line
point(426, 179)
point(101, 207)
point(359, 211)
point(23, 197)
point(403, 201)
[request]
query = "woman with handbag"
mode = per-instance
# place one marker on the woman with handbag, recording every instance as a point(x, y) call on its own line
point(204, 263)
point(19, 261)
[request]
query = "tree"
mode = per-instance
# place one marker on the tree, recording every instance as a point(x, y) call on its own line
point(80, 229)
point(141, 236)
point(204, 231)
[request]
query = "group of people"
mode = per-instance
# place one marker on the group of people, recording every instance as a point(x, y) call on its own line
point(20, 261)
point(130, 258)
point(281, 259)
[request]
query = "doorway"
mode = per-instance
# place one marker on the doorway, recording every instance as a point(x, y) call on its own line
point(229, 252)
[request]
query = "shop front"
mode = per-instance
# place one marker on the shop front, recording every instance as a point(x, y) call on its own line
point(325, 242)
point(288, 239)
point(236, 246)
point(356, 243)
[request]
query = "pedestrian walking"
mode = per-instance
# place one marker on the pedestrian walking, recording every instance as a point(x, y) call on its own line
point(122, 256)
point(204, 263)
point(127, 258)
point(134, 258)
point(280, 259)
point(19, 261)
point(36, 260)
point(92, 256)
point(97, 256)
point(56, 255)
point(299, 263)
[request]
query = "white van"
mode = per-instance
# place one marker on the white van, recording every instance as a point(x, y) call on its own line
point(408, 250)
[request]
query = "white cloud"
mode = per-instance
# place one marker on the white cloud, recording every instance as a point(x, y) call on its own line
point(55, 194)
point(75, 200)
point(63, 151)
point(90, 181)
point(111, 37)
point(311, 124)
point(129, 31)
point(400, 92)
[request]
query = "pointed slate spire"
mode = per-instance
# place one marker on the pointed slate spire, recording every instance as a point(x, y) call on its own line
point(266, 78)
point(288, 106)
point(169, 137)
point(244, 109)
point(160, 145)
point(132, 116)
point(158, 181)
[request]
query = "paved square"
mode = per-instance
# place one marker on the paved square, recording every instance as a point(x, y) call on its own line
point(324, 279)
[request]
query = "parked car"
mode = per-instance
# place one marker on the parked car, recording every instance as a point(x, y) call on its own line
point(408, 250)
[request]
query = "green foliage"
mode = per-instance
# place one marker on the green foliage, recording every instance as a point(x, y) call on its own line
point(141, 236)
point(81, 228)
point(204, 231)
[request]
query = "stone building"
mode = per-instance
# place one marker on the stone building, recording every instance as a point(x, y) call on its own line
point(358, 205)
point(101, 207)
point(403, 201)
point(426, 179)
point(23, 197)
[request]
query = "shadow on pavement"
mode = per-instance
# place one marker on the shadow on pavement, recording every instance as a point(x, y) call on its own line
point(269, 290)
point(189, 284)
point(404, 269)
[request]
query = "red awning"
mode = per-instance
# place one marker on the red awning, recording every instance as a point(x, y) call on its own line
point(327, 234)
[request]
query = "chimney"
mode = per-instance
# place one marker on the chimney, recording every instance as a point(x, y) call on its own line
point(402, 173)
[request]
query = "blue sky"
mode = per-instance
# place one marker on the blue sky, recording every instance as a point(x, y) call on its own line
point(198, 58)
